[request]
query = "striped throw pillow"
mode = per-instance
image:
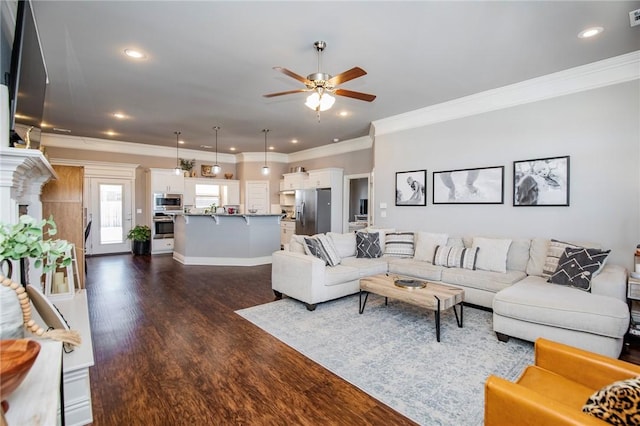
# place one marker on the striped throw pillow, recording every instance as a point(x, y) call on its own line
point(398, 244)
point(456, 257)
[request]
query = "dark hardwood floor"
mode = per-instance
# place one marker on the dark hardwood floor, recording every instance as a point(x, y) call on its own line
point(169, 350)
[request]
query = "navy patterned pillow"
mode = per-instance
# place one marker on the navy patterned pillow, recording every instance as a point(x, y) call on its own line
point(368, 245)
point(577, 266)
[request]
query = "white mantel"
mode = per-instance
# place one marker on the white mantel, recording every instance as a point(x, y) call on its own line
point(23, 173)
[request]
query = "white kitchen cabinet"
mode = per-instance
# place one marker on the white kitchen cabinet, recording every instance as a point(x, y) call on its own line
point(294, 181)
point(161, 245)
point(166, 181)
point(287, 229)
point(324, 178)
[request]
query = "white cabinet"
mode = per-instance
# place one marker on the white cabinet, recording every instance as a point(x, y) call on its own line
point(161, 245)
point(294, 181)
point(324, 178)
point(233, 191)
point(165, 181)
point(287, 229)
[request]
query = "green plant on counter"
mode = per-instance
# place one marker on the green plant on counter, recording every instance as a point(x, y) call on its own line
point(26, 239)
point(212, 209)
point(139, 233)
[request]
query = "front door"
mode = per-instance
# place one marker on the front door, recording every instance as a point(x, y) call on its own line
point(110, 213)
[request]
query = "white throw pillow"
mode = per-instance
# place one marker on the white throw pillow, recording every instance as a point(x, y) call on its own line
point(345, 244)
point(492, 253)
point(426, 243)
point(297, 244)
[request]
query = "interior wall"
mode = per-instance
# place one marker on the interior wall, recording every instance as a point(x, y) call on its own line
point(354, 162)
point(599, 129)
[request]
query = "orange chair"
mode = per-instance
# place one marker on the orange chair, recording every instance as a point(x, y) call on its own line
point(553, 391)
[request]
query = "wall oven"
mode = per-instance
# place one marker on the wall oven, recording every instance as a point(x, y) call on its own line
point(162, 226)
point(167, 202)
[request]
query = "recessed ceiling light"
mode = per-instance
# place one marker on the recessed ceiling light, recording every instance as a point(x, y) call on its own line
point(119, 115)
point(272, 148)
point(343, 113)
point(43, 124)
point(206, 146)
point(135, 54)
point(294, 140)
point(336, 140)
point(233, 148)
point(590, 32)
point(58, 129)
point(181, 142)
point(110, 133)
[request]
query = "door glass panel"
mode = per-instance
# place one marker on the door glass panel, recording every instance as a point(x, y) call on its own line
point(111, 208)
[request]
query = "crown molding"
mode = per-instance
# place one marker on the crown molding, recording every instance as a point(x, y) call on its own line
point(258, 157)
point(618, 69)
point(357, 144)
point(103, 145)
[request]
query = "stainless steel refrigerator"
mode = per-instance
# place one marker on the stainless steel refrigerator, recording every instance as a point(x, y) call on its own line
point(313, 211)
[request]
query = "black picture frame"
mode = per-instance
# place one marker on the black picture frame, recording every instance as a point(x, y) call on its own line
point(541, 182)
point(481, 185)
point(411, 188)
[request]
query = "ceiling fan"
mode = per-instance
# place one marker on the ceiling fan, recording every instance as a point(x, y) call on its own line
point(322, 84)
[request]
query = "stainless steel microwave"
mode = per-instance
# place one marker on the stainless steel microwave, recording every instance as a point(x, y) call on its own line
point(164, 202)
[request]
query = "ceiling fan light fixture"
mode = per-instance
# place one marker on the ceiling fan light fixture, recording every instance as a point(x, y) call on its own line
point(318, 102)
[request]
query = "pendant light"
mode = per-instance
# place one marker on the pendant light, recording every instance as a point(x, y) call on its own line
point(178, 169)
point(265, 168)
point(216, 168)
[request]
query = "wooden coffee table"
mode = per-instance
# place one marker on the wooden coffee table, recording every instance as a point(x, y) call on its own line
point(435, 297)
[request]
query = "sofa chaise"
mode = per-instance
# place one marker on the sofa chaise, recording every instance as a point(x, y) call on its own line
point(509, 276)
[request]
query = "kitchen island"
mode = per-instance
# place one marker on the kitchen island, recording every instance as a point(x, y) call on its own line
point(225, 239)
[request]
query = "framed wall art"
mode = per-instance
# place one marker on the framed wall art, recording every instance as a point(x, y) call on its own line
point(206, 170)
point(411, 188)
point(541, 182)
point(469, 186)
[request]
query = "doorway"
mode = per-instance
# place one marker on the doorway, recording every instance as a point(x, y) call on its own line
point(110, 214)
point(356, 202)
point(257, 197)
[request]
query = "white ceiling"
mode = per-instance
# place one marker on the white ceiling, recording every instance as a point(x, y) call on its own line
point(210, 62)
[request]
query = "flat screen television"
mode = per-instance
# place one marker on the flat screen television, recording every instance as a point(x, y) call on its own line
point(28, 74)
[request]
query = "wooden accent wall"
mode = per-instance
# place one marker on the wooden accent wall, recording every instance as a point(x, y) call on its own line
point(62, 198)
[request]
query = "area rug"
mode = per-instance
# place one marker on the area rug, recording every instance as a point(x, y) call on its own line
point(391, 353)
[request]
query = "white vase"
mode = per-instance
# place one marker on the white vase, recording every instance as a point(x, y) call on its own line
point(11, 326)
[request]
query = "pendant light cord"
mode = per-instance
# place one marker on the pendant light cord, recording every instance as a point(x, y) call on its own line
point(177, 142)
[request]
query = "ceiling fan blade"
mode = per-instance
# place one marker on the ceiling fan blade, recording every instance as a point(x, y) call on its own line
point(354, 72)
point(288, 92)
point(356, 95)
point(292, 74)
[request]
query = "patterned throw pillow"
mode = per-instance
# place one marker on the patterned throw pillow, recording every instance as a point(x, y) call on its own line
point(456, 257)
point(617, 403)
point(577, 266)
point(368, 245)
point(320, 246)
point(399, 244)
point(554, 252)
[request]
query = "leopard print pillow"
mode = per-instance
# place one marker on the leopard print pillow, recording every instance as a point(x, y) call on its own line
point(617, 403)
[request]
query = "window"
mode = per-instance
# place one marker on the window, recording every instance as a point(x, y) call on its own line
point(206, 195)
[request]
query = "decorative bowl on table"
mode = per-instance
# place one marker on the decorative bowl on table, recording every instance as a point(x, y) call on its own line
point(16, 359)
point(253, 211)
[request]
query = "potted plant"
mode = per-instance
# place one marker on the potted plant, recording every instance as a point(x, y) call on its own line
point(26, 239)
point(140, 236)
point(187, 165)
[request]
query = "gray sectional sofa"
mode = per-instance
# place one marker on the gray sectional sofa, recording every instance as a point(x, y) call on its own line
point(524, 304)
